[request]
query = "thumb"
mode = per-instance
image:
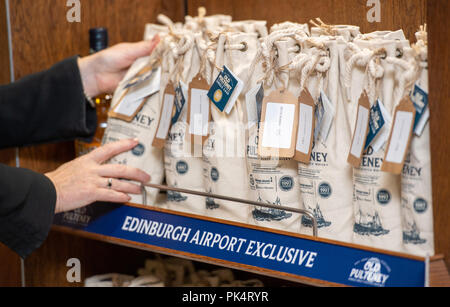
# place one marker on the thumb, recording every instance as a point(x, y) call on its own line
point(143, 48)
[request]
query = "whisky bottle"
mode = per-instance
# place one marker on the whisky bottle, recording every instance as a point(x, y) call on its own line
point(98, 40)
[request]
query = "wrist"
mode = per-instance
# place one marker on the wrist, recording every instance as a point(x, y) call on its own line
point(58, 194)
point(88, 73)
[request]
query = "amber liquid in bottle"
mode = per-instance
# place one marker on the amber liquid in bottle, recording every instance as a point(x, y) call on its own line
point(98, 41)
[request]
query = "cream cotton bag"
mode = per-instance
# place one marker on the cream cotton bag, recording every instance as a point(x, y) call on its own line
point(376, 193)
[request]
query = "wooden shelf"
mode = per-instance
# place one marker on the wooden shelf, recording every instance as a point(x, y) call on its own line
point(318, 262)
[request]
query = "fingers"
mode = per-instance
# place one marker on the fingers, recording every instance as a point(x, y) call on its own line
point(121, 186)
point(105, 195)
point(123, 172)
point(111, 150)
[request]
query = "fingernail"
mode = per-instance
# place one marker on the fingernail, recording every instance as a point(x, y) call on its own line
point(136, 140)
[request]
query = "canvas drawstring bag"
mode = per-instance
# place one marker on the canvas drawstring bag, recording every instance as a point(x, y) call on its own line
point(326, 182)
point(143, 126)
point(417, 198)
point(376, 193)
point(224, 151)
point(275, 181)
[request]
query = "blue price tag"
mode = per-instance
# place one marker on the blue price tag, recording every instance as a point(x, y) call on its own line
point(222, 89)
point(179, 102)
point(420, 100)
point(376, 123)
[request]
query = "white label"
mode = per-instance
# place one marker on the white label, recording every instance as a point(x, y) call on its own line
point(252, 110)
point(422, 122)
point(133, 99)
point(279, 125)
point(199, 115)
point(328, 117)
point(166, 117)
point(305, 128)
point(359, 139)
point(235, 95)
point(400, 137)
point(383, 136)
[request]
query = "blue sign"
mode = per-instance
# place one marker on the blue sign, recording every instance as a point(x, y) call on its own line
point(281, 253)
point(222, 89)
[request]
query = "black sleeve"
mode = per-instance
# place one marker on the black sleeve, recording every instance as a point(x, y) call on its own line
point(49, 106)
point(27, 207)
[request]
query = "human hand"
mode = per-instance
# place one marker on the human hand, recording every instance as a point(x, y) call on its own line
point(85, 180)
point(102, 72)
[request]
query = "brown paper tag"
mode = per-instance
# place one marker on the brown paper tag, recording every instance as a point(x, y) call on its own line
point(400, 137)
point(361, 131)
point(279, 123)
point(131, 110)
point(165, 118)
point(199, 111)
point(306, 124)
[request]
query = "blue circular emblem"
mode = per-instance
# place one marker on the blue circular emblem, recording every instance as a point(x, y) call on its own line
point(286, 183)
point(420, 205)
point(214, 174)
point(325, 190)
point(182, 167)
point(138, 150)
point(384, 197)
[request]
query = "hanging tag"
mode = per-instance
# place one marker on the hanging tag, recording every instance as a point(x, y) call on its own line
point(420, 99)
point(165, 121)
point(327, 119)
point(134, 97)
point(361, 131)
point(400, 137)
point(279, 125)
point(305, 128)
point(376, 123)
point(198, 110)
point(225, 90)
point(180, 101)
point(252, 106)
point(383, 135)
point(142, 76)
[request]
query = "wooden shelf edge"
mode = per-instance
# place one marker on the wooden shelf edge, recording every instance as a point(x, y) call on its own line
point(223, 263)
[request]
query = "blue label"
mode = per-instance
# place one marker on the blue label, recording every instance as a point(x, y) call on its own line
point(222, 89)
point(259, 102)
point(286, 183)
point(384, 197)
point(254, 247)
point(420, 100)
point(182, 167)
point(179, 102)
point(139, 150)
point(420, 205)
point(214, 174)
point(376, 123)
point(325, 190)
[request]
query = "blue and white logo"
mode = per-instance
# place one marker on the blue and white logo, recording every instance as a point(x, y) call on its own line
point(420, 205)
point(325, 190)
point(286, 183)
point(139, 150)
point(214, 174)
point(182, 167)
point(384, 197)
point(370, 271)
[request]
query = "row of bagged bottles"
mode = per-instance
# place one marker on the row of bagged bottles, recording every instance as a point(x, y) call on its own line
point(307, 84)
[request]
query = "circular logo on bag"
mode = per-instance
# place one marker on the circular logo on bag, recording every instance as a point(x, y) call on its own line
point(420, 205)
point(218, 95)
point(138, 150)
point(182, 167)
point(286, 183)
point(384, 197)
point(325, 190)
point(214, 174)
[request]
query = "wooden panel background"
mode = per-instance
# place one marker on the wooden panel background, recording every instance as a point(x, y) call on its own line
point(439, 67)
point(395, 14)
point(42, 36)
